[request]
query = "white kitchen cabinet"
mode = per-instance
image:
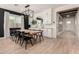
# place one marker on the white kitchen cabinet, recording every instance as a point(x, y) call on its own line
point(47, 33)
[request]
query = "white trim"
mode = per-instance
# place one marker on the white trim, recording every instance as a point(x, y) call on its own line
point(6, 24)
point(2, 38)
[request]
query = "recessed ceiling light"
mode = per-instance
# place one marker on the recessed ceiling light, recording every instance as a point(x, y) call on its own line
point(68, 22)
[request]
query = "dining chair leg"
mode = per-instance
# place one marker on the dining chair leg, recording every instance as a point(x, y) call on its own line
point(40, 38)
point(37, 37)
point(26, 44)
point(22, 42)
point(34, 37)
point(31, 42)
point(11, 37)
point(17, 39)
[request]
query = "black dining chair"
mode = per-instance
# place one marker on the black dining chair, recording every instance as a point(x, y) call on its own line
point(15, 36)
point(18, 36)
point(39, 36)
point(12, 34)
point(25, 38)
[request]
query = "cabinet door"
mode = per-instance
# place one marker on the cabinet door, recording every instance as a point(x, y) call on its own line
point(49, 33)
point(45, 32)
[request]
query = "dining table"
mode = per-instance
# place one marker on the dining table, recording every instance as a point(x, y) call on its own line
point(32, 32)
point(35, 34)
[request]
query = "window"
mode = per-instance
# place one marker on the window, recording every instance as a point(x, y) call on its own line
point(14, 21)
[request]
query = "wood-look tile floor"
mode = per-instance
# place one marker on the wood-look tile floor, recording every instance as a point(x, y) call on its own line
point(66, 43)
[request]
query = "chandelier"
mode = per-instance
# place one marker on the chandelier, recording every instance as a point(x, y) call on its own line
point(28, 11)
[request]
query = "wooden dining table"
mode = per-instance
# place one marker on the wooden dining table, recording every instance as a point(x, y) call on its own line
point(32, 32)
point(35, 34)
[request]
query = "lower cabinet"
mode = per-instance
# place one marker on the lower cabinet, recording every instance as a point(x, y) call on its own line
point(47, 33)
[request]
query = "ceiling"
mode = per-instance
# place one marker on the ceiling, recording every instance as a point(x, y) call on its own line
point(36, 7)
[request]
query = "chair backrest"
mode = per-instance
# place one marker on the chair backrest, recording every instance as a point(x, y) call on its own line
point(18, 33)
point(27, 35)
point(22, 34)
point(13, 29)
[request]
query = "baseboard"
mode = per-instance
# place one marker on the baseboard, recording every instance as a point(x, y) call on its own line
point(48, 37)
point(2, 37)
